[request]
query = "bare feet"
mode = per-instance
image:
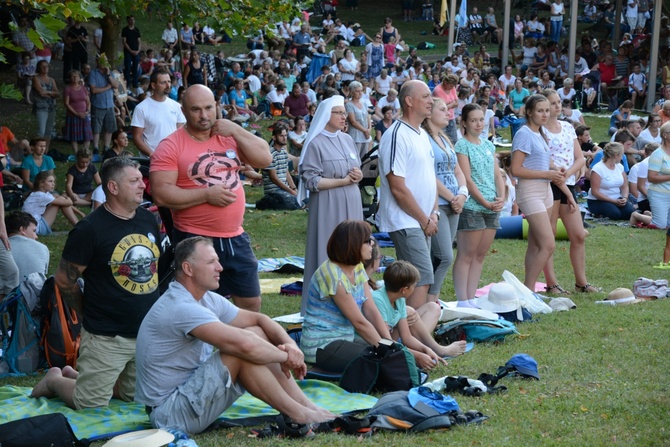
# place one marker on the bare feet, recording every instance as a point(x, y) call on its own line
point(70, 372)
point(42, 388)
point(453, 350)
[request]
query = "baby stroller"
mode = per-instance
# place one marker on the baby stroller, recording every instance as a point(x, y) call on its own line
point(369, 196)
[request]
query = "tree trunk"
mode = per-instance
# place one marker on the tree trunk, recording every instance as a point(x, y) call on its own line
point(111, 32)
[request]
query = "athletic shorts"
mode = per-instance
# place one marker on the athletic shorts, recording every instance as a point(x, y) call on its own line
point(412, 245)
point(470, 220)
point(207, 393)
point(559, 195)
point(103, 361)
point(534, 196)
point(240, 267)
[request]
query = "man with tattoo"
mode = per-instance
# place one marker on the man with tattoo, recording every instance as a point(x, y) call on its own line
point(115, 249)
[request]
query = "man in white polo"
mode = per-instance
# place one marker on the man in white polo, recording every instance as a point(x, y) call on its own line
point(408, 201)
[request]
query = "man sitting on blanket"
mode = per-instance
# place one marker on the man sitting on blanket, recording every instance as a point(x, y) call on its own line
point(182, 382)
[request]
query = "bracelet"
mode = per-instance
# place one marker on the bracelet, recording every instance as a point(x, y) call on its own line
point(427, 223)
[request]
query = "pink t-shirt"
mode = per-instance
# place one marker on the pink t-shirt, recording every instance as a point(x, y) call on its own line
point(447, 97)
point(77, 98)
point(201, 165)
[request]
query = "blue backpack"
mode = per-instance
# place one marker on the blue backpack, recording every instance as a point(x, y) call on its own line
point(20, 334)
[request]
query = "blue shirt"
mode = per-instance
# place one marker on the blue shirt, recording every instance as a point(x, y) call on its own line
point(104, 100)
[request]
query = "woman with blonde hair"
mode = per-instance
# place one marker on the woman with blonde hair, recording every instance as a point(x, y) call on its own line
point(452, 194)
point(608, 196)
point(566, 153)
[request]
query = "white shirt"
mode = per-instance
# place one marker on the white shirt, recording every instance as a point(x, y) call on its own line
point(646, 136)
point(169, 35)
point(407, 153)
point(611, 180)
point(254, 83)
point(158, 119)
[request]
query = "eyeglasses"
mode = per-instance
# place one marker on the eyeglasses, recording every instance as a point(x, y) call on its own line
point(370, 241)
point(344, 114)
point(378, 37)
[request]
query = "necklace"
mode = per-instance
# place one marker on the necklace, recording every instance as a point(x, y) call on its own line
point(192, 136)
point(118, 215)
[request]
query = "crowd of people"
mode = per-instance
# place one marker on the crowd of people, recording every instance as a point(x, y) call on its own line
point(441, 181)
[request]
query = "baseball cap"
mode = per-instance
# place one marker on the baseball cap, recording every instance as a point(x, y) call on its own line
point(525, 365)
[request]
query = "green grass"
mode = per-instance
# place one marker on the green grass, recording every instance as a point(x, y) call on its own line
point(604, 369)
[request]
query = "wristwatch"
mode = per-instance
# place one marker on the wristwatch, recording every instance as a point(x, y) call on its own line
point(437, 213)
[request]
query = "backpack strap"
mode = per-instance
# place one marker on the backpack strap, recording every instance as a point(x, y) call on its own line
point(438, 421)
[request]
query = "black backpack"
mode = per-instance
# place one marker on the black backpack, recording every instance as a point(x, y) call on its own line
point(61, 327)
point(48, 430)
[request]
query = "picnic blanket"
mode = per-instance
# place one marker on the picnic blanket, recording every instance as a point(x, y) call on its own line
point(539, 287)
point(290, 264)
point(273, 285)
point(121, 417)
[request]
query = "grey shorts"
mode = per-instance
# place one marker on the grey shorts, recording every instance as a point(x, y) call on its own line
point(200, 401)
point(477, 220)
point(412, 245)
point(103, 118)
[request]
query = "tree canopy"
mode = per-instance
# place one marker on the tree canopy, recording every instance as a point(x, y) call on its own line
point(236, 17)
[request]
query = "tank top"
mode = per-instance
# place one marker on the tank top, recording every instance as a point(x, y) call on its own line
point(195, 75)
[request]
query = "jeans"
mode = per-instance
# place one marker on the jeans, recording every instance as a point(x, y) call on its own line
point(610, 210)
point(131, 65)
point(556, 26)
point(45, 122)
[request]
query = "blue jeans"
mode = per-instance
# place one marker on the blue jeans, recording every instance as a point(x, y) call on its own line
point(610, 210)
point(131, 66)
point(556, 26)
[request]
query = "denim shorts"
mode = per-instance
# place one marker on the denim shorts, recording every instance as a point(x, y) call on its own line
point(476, 221)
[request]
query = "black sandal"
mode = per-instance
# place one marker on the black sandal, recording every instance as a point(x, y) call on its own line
point(587, 288)
point(556, 289)
point(285, 428)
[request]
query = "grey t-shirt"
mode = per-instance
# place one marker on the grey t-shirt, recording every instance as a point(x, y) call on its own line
point(166, 353)
point(30, 256)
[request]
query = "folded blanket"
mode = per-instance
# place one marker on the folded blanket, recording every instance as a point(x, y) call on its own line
point(120, 417)
point(291, 264)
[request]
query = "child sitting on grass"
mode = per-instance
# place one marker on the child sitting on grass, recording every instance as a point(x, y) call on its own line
point(44, 206)
point(79, 178)
point(413, 327)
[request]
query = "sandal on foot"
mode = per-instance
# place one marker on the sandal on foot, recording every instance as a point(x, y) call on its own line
point(285, 428)
point(662, 266)
point(587, 288)
point(556, 289)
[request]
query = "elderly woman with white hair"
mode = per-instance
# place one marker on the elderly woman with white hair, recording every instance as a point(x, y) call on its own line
point(358, 117)
point(329, 169)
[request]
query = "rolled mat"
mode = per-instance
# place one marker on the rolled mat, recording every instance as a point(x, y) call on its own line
point(561, 232)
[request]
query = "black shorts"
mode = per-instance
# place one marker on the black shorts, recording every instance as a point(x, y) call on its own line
point(643, 205)
point(240, 267)
point(559, 195)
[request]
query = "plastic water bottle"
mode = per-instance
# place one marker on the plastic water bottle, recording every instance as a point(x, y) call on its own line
point(181, 439)
point(436, 385)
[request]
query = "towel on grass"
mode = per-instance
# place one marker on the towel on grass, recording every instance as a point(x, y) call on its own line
point(121, 417)
point(290, 264)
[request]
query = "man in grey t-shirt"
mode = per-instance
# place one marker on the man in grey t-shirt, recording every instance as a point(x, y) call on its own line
point(181, 380)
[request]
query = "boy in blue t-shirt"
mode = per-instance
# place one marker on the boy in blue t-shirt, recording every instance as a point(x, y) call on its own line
point(405, 323)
